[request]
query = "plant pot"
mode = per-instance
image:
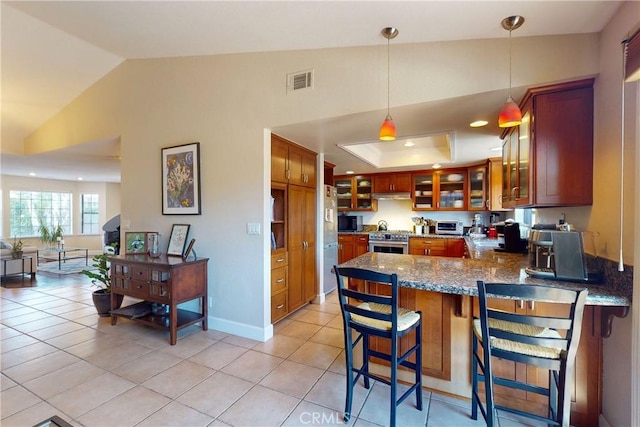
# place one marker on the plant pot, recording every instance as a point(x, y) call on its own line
point(16, 255)
point(102, 302)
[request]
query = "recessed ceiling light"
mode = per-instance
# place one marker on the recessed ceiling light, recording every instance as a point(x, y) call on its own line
point(32, 174)
point(436, 166)
point(409, 144)
point(349, 172)
point(478, 123)
point(79, 178)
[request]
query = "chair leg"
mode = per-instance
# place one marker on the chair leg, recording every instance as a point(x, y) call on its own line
point(553, 394)
point(394, 380)
point(365, 359)
point(474, 378)
point(419, 366)
point(564, 393)
point(490, 409)
point(348, 351)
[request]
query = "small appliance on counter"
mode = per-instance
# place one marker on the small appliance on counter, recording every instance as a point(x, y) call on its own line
point(351, 223)
point(449, 226)
point(382, 225)
point(559, 255)
point(512, 241)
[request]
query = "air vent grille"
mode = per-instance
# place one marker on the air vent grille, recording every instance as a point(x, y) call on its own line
point(300, 81)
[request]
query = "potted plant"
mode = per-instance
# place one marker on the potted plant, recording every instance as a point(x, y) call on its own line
point(16, 249)
point(102, 279)
point(49, 235)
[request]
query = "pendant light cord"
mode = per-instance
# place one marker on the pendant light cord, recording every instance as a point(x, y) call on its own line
point(388, 78)
point(510, 29)
point(624, 63)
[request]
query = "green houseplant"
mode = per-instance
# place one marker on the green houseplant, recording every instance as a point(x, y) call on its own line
point(49, 235)
point(101, 278)
point(16, 249)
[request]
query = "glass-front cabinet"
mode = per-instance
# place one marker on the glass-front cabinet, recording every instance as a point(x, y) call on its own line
point(424, 191)
point(451, 189)
point(515, 164)
point(478, 188)
point(355, 193)
point(439, 190)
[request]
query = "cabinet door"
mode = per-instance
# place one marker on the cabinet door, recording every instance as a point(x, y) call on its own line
point(346, 248)
point(301, 247)
point(279, 160)
point(309, 270)
point(455, 248)
point(428, 247)
point(302, 166)
point(451, 189)
point(345, 190)
point(392, 183)
point(523, 191)
point(478, 197)
point(361, 244)
point(495, 184)
point(424, 191)
point(363, 194)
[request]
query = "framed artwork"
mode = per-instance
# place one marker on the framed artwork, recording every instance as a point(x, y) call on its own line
point(135, 242)
point(181, 180)
point(178, 239)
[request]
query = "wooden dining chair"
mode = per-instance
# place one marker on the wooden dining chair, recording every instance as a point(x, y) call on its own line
point(378, 316)
point(547, 342)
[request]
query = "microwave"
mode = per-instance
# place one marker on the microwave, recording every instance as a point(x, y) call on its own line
point(350, 223)
point(449, 226)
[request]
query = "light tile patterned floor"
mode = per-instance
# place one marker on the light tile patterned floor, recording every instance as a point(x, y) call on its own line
point(60, 358)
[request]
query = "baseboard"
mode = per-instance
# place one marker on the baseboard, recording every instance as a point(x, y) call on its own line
point(241, 329)
point(602, 421)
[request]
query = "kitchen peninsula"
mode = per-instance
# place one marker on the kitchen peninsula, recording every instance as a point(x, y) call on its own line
point(444, 289)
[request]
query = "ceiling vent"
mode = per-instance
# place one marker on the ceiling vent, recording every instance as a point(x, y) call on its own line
point(300, 81)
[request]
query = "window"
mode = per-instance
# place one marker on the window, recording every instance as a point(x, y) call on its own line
point(31, 209)
point(90, 214)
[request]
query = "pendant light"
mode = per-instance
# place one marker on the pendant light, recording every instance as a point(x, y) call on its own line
point(510, 115)
point(388, 129)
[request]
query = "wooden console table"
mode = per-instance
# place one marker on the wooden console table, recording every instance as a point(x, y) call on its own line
point(165, 280)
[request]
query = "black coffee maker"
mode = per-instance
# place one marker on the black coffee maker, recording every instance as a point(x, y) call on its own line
point(512, 240)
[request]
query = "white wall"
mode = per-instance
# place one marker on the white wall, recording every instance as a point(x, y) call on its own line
point(226, 102)
point(109, 196)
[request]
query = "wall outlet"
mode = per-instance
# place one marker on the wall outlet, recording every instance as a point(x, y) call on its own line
point(126, 224)
point(253, 228)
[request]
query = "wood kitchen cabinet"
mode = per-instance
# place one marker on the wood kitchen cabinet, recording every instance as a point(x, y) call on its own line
point(355, 193)
point(440, 190)
point(449, 247)
point(392, 183)
point(478, 195)
point(301, 245)
point(165, 280)
point(548, 159)
point(587, 379)
point(495, 184)
point(291, 163)
point(351, 246)
point(436, 311)
point(279, 285)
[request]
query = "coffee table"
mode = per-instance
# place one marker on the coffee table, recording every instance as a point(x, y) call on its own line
point(53, 254)
point(15, 266)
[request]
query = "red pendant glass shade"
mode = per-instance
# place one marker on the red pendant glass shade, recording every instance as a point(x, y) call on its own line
point(388, 130)
point(510, 115)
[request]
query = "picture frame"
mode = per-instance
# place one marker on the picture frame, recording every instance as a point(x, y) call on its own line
point(178, 239)
point(135, 242)
point(181, 180)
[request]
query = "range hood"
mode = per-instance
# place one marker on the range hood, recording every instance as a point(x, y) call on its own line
point(392, 196)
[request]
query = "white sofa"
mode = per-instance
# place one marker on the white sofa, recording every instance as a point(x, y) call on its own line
point(14, 266)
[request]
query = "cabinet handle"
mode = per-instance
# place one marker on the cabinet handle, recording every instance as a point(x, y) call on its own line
point(521, 304)
point(280, 307)
point(280, 260)
point(279, 280)
point(532, 305)
point(287, 173)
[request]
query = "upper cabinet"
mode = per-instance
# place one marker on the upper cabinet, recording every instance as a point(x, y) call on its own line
point(439, 190)
point(292, 164)
point(355, 193)
point(392, 183)
point(478, 199)
point(495, 184)
point(548, 159)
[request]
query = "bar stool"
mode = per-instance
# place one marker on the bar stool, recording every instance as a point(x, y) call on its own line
point(378, 316)
point(548, 342)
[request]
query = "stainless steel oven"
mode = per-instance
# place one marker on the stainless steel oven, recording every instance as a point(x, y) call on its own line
point(390, 242)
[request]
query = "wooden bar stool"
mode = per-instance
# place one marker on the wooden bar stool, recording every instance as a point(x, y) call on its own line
point(378, 316)
point(547, 342)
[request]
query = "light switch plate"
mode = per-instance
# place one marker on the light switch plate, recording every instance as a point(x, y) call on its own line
point(253, 228)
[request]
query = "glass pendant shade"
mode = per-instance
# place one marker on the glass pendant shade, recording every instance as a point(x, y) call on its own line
point(510, 115)
point(388, 130)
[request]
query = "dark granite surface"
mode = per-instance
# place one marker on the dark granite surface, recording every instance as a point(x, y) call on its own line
point(459, 275)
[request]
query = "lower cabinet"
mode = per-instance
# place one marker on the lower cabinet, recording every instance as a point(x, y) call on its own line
point(279, 286)
point(451, 247)
point(587, 379)
point(351, 246)
point(437, 309)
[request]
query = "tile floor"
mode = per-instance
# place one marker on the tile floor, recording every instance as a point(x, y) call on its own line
point(60, 358)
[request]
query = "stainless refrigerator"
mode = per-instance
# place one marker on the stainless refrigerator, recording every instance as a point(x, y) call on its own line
point(330, 245)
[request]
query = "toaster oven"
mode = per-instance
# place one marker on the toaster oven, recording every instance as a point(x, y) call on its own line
point(449, 226)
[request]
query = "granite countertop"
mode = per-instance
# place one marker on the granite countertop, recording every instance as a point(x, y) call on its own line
point(459, 275)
